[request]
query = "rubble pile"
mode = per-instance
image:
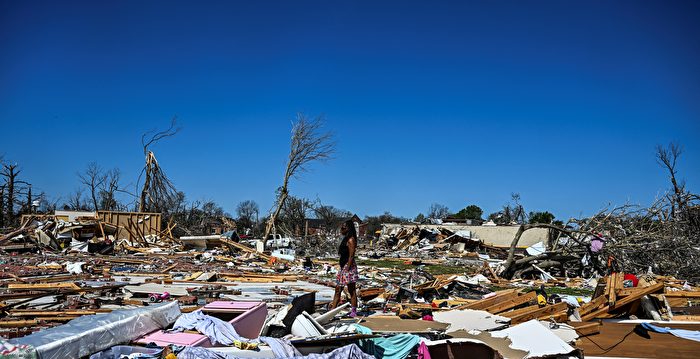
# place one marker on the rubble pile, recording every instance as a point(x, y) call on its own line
point(88, 287)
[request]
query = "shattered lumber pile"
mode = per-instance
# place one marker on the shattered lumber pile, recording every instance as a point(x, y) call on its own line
point(102, 233)
point(654, 297)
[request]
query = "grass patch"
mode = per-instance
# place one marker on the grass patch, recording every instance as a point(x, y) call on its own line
point(564, 291)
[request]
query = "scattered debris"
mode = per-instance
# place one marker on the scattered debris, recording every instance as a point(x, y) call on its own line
point(125, 282)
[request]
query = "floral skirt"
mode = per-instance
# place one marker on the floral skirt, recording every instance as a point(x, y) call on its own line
point(348, 274)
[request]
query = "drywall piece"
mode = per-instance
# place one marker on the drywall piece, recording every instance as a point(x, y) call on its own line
point(563, 331)
point(535, 338)
point(150, 288)
point(468, 319)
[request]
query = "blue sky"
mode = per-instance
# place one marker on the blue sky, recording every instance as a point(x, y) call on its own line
point(454, 102)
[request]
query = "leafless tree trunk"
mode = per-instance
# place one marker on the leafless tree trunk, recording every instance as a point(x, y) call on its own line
point(308, 144)
point(75, 201)
point(93, 179)
point(10, 172)
point(667, 157)
point(157, 188)
point(2, 206)
point(29, 199)
point(108, 200)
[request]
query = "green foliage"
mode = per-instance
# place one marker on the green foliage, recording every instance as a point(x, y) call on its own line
point(541, 217)
point(471, 211)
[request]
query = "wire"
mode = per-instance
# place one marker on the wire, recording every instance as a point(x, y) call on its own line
point(614, 345)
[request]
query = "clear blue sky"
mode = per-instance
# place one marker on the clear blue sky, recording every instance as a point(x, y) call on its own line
point(455, 103)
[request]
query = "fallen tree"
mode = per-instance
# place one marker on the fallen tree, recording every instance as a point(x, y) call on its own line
point(663, 238)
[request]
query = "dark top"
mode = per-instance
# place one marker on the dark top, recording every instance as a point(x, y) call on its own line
point(344, 252)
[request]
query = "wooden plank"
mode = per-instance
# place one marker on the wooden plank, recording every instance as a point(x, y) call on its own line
point(521, 311)
point(586, 329)
point(592, 305)
point(539, 313)
point(683, 294)
point(687, 318)
point(560, 317)
point(631, 298)
point(18, 323)
point(71, 312)
point(42, 286)
point(168, 269)
point(619, 281)
point(500, 296)
point(617, 340)
point(624, 292)
point(511, 302)
point(601, 313)
point(250, 250)
point(67, 318)
point(610, 288)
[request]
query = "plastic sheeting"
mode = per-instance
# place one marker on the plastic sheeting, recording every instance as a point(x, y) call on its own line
point(90, 334)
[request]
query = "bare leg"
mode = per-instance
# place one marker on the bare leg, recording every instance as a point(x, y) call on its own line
point(336, 297)
point(353, 294)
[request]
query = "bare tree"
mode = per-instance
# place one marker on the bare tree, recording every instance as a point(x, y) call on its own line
point(157, 189)
point(93, 178)
point(110, 187)
point(331, 216)
point(12, 189)
point(294, 212)
point(667, 157)
point(2, 206)
point(308, 145)
point(247, 212)
point(75, 200)
point(438, 211)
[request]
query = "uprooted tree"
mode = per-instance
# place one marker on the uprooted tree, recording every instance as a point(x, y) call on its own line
point(309, 144)
point(663, 238)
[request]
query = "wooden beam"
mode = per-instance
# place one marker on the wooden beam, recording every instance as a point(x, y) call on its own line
point(592, 305)
point(18, 323)
point(500, 296)
point(587, 329)
point(631, 298)
point(610, 289)
point(511, 302)
point(42, 286)
point(683, 294)
point(539, 312)
point(519, 312)
point(601, 313)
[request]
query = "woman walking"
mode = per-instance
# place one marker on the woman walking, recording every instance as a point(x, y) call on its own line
point(347, 276)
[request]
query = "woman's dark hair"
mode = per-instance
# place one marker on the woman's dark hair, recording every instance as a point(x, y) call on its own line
point(350, 225)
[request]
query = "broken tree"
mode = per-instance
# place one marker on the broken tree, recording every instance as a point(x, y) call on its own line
point(308, 144)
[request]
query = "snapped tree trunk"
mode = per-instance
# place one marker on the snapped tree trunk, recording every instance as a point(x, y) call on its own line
point(146, 183)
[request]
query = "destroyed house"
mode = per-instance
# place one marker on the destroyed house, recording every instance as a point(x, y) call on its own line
point(317, 226)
